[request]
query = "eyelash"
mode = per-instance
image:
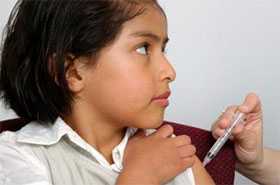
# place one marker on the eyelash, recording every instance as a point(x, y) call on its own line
point(147, 46)
point(164, 50)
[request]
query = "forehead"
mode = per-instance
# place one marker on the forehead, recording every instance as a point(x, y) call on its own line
point(152, 20)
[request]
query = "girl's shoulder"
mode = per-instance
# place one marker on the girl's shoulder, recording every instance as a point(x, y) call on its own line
point(18, 143)
point(18, 164)
point(12, 150)
point(8, 138)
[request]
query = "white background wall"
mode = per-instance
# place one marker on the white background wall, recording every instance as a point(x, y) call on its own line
point(5, 8)
point(221, 50)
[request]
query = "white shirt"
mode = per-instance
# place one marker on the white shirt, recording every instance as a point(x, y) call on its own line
point(19, 166)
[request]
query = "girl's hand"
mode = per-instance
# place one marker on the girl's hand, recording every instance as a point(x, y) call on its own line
point(157, 158)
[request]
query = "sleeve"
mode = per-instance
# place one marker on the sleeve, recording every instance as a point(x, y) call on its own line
point(17, 167)
point(185, 178)
point(190, 176)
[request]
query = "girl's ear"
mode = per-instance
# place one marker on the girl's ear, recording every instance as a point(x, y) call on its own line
point(76, 74)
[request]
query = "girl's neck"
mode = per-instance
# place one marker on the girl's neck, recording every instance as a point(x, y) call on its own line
point(102, 135)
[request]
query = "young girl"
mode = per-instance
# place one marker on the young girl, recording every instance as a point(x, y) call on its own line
point(88, 74)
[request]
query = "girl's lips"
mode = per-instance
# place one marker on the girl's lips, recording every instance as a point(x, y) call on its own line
point(163, 96)
point(162, 102)
point(162, 99)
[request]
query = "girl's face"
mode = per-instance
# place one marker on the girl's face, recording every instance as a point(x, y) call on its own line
point(129, 73)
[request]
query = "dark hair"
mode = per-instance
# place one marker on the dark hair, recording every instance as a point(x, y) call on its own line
point(35, 86)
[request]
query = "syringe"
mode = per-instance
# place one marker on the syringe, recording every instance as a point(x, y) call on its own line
point(222, 140)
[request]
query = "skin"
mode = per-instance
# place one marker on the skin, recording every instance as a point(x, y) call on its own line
point(117, 92)
point(253, 160)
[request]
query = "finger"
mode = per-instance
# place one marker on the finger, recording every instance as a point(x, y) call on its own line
point(219, 127)
point(186, 151)
point(237, 130)
point(224, 119)
point(187, 162)
point(181, 140)
point(218, 133)
point(224, 123)
point(164, 131)
point(227, 117)
point(251, 104)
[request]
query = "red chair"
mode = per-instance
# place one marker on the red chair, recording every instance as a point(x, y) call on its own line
point(221, 168)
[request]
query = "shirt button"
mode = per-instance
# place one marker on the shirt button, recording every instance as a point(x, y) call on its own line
point(118, 156)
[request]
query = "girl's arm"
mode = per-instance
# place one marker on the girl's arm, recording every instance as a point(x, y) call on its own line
point(128, 177)
point(201, 176)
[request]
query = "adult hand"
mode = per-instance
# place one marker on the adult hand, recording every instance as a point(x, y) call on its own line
point(248, 137)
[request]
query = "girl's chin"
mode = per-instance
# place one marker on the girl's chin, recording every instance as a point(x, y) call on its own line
point(154, 125)
point(150, 121)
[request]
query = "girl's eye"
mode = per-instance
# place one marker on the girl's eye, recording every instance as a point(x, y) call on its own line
point(164, 50)
point(144, 49)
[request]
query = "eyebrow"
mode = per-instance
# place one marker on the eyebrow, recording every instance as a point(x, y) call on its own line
point(150, 35)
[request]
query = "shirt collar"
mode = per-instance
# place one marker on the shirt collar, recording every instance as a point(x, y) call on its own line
point(49, 134)
point(44, 134)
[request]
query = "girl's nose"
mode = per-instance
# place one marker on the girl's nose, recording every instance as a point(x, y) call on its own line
point(168, 72)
